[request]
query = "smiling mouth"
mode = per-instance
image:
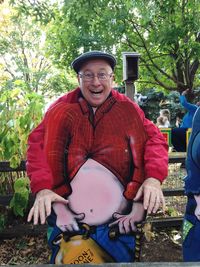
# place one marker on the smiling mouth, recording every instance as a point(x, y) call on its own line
point(96, 93)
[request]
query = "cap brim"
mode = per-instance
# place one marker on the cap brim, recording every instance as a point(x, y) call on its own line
point(82, 59)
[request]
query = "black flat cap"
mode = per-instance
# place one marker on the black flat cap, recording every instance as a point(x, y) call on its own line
point(79, 61)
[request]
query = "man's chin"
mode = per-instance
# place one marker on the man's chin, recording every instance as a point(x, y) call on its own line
point(96, 104)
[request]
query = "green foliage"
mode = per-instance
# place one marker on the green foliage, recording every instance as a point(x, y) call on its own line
point(172, 212)
point(60, 82)
point(20, 199)
point(165, 33)
point(151, 106)
point(40, 10)
point(20, 111)
point(22, 50)
point(27, 77)
point(20, 42)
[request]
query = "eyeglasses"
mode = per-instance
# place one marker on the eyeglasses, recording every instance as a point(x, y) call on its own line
point(89, 76)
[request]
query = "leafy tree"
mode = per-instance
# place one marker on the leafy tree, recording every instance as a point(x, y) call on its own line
point(21, 49)
point(27, 77)
point(165, 33)
point(40, 10)
point(22, 43)
point(23, 70)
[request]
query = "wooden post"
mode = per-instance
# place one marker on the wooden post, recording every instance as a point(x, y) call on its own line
point(130, 72)
point(130, 89)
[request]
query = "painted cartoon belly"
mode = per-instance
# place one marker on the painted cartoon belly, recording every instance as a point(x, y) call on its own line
point(97, 193)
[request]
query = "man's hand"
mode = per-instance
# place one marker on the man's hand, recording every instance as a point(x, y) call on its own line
point(185, 92)
point(42, 205)
point(152, 195)
point(126, 223)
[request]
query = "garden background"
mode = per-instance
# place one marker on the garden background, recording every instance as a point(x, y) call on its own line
point(39, 39)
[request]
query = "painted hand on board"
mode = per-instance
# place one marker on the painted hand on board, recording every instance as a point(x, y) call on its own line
point(127, 223)
point(67, 220)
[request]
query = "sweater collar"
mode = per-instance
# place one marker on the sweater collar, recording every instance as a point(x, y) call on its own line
point(104, 108)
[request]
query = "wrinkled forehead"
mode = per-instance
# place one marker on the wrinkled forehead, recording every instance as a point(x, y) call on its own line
point(95, 65)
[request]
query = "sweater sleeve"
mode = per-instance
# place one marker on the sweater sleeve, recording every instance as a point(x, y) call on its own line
point(155, 150)
point(187, 105)
point(37, 167)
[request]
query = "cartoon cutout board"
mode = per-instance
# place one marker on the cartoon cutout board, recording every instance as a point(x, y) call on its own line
point(82, 231)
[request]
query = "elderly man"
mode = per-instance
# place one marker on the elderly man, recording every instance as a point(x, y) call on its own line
point(95, 161)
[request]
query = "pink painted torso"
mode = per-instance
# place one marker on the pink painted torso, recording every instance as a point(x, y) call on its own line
point(97, 193)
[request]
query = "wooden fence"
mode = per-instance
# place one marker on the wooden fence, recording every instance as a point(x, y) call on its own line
point(35, 230)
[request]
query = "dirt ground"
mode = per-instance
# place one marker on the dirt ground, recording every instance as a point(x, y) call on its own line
point(163, 247)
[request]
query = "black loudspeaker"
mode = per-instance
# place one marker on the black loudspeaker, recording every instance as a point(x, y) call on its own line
point(130, 66)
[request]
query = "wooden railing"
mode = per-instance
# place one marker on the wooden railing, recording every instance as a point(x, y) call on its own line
point(5, 167)
point(157, 222)
point(177, 157)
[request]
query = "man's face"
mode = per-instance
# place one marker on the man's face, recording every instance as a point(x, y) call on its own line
point(95, 80)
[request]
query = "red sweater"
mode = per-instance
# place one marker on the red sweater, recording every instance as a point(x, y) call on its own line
point(108, 137)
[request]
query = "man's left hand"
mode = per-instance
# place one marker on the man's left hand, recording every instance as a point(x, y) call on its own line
point(152, 195)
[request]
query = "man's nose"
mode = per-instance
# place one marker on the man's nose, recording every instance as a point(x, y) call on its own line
point(96, 81)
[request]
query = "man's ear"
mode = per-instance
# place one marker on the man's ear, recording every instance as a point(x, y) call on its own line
point(113, 78)
point(80, 82)
point(78, 78)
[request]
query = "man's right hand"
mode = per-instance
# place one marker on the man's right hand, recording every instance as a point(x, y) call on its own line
point(42, 205)
point(185, 92)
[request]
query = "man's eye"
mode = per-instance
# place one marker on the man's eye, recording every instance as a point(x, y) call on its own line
point(102, 75)
point(88, 75)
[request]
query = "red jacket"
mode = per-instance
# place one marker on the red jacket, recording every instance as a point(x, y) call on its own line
point(117, 115)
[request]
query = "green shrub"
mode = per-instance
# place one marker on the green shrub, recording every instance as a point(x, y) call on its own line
point(20, 199)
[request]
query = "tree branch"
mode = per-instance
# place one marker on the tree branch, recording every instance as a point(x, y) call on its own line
point(149, 56)
point(155, 83)
point(155, 76)
point(13, 76)
point(7, 68)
